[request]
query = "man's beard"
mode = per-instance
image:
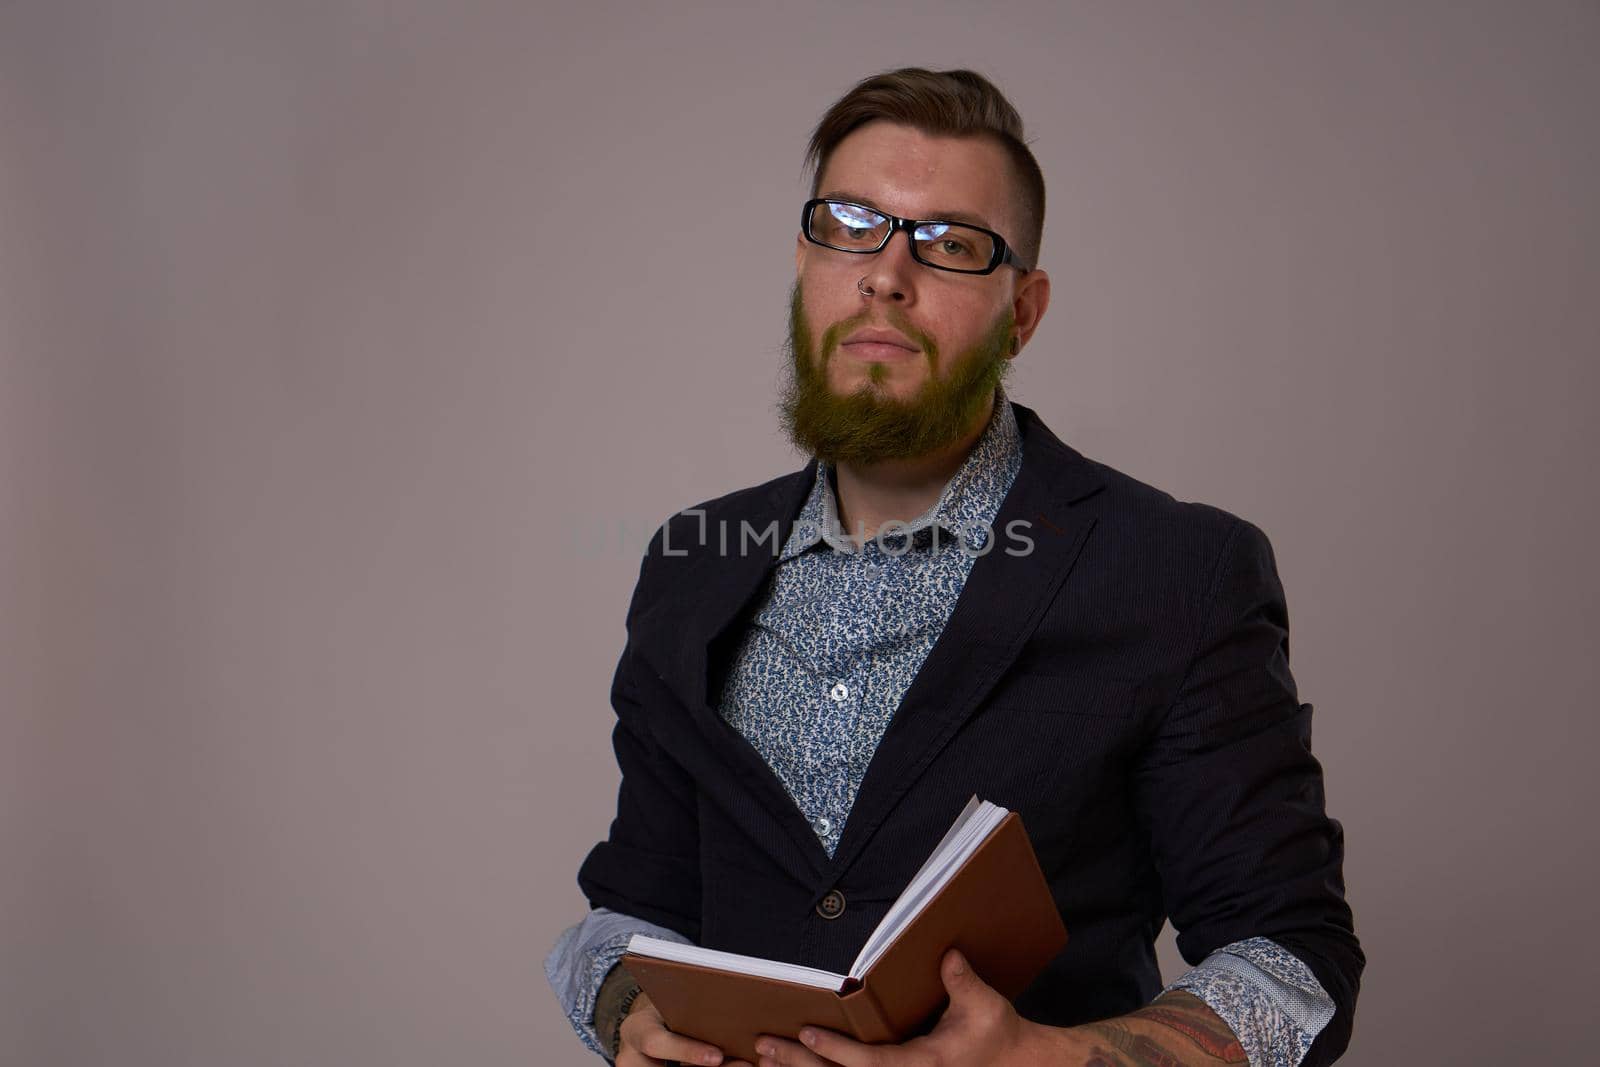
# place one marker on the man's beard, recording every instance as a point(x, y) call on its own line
point(867, 426)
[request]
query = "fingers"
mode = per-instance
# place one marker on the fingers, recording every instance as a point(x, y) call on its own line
point(663, 1044)
point(969, 994)
point(655, 1053)
point(647, 1041)
point(780, 1052)
point(827, 1049)
point(959, 980)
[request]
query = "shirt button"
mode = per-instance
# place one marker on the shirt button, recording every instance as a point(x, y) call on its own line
point(832, 905)
point(823, 826)
point(840, 691)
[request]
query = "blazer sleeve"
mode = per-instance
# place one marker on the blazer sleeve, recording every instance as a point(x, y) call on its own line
point(1232, 797)
point(648, 866)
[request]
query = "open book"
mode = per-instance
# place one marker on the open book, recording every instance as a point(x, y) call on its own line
point(980, 891)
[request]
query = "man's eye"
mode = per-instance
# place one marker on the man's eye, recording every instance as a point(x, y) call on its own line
point(953, 247)
point(851, 221)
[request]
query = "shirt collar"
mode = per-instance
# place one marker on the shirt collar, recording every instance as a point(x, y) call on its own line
point(967, 504)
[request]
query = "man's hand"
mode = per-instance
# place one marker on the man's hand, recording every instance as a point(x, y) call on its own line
point(981, 1027)
point(646, 1042)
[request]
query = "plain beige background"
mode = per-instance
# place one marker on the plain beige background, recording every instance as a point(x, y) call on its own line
point(351, 350)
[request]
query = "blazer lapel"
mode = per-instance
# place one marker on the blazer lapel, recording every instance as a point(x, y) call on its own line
point(1002, 602)
point(1000, 605)
point(724, 583)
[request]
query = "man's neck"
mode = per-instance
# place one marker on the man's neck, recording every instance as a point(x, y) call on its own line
point(871, 494)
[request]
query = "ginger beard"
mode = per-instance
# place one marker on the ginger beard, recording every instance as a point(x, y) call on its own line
point(867, 425)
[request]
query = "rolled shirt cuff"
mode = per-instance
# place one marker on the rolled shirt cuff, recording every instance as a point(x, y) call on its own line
point(582, 957)
point(1267, 996)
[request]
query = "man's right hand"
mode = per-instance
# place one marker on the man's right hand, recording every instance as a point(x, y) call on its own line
point(646, 1042)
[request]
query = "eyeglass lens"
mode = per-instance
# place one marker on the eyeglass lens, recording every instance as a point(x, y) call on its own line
point(853, 228)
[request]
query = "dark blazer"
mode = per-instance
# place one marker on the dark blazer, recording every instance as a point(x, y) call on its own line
point(1124, 685)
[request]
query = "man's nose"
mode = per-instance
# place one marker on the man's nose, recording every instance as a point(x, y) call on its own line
point(892, 270)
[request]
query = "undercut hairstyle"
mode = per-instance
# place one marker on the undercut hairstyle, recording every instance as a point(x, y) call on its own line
point(946, 103)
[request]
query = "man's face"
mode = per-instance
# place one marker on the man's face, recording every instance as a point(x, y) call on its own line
point(862, 403)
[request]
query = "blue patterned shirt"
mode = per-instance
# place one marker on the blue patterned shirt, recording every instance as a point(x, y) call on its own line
point(841, 631)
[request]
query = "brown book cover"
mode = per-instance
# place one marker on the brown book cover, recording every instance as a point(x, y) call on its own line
point(996, 908)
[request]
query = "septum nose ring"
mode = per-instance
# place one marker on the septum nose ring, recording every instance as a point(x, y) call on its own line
point(863, 288)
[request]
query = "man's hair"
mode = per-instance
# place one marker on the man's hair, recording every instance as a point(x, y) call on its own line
point(950, 103)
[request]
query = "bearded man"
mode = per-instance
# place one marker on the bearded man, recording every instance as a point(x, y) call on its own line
point(949, 600)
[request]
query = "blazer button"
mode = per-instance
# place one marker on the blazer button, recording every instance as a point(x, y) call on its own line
point(832, 905)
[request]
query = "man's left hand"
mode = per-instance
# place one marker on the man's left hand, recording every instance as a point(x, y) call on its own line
point(978, 1026)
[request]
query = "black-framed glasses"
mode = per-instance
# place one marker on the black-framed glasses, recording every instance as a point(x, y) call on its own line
point(957, 246)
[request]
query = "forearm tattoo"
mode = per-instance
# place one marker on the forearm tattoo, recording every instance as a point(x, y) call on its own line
point(1190, 1034)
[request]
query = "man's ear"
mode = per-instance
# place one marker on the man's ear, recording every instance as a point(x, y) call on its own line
point(1031, 300)
point(799, 252)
